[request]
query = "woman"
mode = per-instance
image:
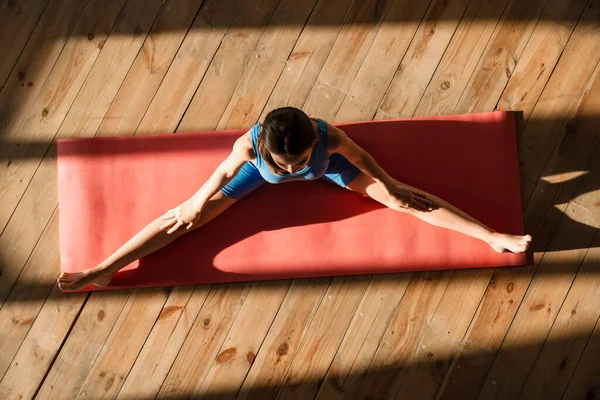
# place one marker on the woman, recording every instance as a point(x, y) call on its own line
point(290, 146)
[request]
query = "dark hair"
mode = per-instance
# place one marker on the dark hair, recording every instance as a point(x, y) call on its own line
point(286, 131)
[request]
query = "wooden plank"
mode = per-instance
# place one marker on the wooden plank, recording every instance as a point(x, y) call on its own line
point(283, 339)
point(382, 60)
point(38, 58)
point(402, 336)
point(17, 22)
point(39, 348)
point(189, 67)
point(423, 55)
point(539, 308)
point(571, 330)
point(55, 99)
point(133, 325)
point(204, 340)
point(84, 342)
point(225, 70)
point(499, 304)
point(440, 342)
point(24, 362)
point(25, 301)
point(562, 173)
point(308, 55)
point(346, 56)
point(585, 382)
point(579, 59)
point(269, 60)
point(363, 336)
point(580, 312)
point(156, 58)
point(503, 53)
point(237, 354)
point(541, 55)
point(461, 57)
point(323, 337)
point(163, 343)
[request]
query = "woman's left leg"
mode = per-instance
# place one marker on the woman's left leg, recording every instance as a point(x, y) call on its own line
point(444, 215)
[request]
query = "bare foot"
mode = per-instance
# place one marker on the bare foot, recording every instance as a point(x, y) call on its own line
point(502, 242)
point(77, 280)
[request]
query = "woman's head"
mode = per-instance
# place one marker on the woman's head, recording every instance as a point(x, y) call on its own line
point(287, 139)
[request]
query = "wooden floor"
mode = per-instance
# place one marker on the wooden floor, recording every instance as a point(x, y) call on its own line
point(82, 68)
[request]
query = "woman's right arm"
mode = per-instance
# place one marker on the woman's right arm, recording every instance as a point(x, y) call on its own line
point(189, 212)
point(241, 153)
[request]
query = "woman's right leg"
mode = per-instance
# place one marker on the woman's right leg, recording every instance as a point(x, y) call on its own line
point(148, 240)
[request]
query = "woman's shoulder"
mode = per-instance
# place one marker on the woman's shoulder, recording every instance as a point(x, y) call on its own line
point(334, 135)
point(244, 145)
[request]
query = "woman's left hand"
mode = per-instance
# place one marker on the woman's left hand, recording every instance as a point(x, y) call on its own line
point(406, 198)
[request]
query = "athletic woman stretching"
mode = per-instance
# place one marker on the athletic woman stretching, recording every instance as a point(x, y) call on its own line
point(289, 146)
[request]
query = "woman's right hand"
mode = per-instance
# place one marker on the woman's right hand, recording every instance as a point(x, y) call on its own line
point(185, 214)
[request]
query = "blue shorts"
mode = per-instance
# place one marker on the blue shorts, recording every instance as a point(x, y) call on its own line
point(340, 171)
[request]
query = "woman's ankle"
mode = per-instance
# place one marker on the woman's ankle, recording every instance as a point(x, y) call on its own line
point(492, 236)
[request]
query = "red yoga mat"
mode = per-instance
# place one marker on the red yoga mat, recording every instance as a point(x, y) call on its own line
point(110, 188)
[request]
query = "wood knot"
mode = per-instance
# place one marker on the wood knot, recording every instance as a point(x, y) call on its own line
point(250, 357)
point(167, 311)
point(109, 383)
point(283, 349)
point(226, 355)
point(101, 315)
point(563, 364)
point(445, 85)
point(45, 112)
point(91, 36)
point(510, 287)
point(206, 322)
point(21, 75)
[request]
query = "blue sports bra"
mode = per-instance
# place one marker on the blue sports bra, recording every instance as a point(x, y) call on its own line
point(313, 170)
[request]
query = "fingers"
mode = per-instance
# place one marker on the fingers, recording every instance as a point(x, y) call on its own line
point(420, 205)
point(175, 227)
point(168, 223)
point(423, 198)
point(423, 202)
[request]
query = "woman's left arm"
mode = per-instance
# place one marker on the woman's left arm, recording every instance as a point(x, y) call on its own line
point(339, 142)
